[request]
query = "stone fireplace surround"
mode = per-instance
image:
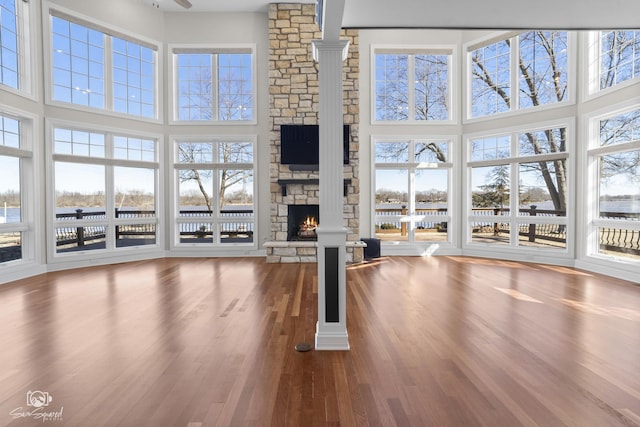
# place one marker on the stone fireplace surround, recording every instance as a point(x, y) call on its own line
point(293, 99)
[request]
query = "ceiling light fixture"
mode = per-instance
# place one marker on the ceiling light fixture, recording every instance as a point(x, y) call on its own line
point(184, 3)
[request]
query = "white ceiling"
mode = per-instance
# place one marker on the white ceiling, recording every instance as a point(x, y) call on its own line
point(492, 14)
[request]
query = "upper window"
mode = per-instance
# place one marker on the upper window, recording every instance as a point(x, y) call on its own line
point(619, 57)
point(92, 67)
point(541, 61)
point(412, 86)
point(214, 84)
point(9, 44)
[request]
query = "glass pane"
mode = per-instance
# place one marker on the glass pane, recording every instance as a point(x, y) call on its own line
point(195, 87)
point(135, 235)
point(236, 232)
point(235, 91)
point(620, 186)
point(10, 199)
point(490, 148)
point(491, 79)
point(79, 143)
point(235, 191)
point(431, 87)
point(134, 149)
point(543, 142)
point(619, 242)
point(619, 57)
point(134, 192)
point(195, 190)
point(9, 132)
point(546, 236)
point(391, 87)
point(195, 152)
point(432, 191)
point(235, 152)
point(490, 189)
point(128, 60)
point(432, 152)
point(80, 190)
point(392, 152)
point(72, 239)
point(10, 246)
point(542, 188)
point(493, 232)
point(543, 68)
point(9, 44)
point(196, 232)
point(392, 190)
point(620, 129)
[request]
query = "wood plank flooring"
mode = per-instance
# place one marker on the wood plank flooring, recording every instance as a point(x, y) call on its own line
point(439, 341)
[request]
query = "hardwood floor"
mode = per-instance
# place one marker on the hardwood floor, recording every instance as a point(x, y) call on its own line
point(440, 341)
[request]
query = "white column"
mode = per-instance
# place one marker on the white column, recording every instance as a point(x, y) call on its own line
point(331, 329)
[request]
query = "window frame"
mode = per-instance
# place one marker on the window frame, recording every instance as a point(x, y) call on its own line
point(514, 108)
point(593, 152)
point(109, 32)
point(215, 219)
point(175, 49)
point(452, 71)
point(411, 167)
point(110, 163)
point(27, 55)
point(513, 161)
point(29, 225)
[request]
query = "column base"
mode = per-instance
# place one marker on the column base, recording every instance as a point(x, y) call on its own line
point(331, 340)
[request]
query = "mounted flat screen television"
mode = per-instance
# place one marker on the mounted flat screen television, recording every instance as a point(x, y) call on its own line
point(300, 146)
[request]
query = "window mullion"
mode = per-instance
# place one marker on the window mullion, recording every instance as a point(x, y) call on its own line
point(214, 87)
point(411, 87)
point(515, 68)
point(108, 72)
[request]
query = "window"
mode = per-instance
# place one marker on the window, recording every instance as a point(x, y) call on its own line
point(619, 57)
point(15, 47)
point(413, 191)
point(80, 73)
point(525, 71)
point(614, 157)
point(214, 84)
point(15, 187)
point(105, 188)
point(412, 86)
point(9, 44)
point(513, 178)
point(215, 188)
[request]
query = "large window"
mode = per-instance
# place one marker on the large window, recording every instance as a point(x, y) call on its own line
point(215, 192)
point(15, 187)
point(413, 191)
point(15, 47)
point(519, 189)
point(524, 71)
point(105, 188)
point(615, 162)
point(214, 84)
point(412, 86)
point(92, 67)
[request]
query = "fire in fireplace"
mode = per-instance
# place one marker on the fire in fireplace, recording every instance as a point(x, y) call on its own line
point(302, 222)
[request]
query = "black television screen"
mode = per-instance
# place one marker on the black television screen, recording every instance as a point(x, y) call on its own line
point(300, 145)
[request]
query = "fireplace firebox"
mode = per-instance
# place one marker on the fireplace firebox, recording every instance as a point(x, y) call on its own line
point(302, 221)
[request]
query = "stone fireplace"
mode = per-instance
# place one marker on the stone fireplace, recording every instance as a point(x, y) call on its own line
point(302, 221)
point(293, 99)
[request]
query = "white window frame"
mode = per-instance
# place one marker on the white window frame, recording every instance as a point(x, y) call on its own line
point(175, 49)
point(27, 54)
point(452, 205)
point(514, 220)
point(452, 70)
point(590, 250)
point(109, 30)
point(515, 109)
point(32, 238)
point(176, 220)
point(591, 42)
point(109, 162)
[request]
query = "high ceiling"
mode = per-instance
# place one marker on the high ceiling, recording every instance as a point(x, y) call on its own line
point(495, 14)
